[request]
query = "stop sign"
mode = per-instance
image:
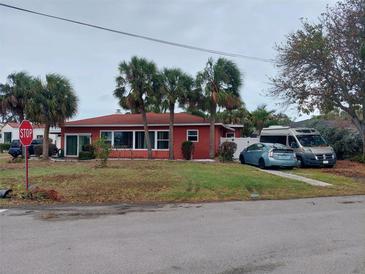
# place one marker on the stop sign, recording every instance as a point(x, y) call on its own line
point(26, 133)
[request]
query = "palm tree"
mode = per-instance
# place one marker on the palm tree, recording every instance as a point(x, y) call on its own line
point(15, 94)
point(220, 82)
point(175, 84)
point(261, 116)
point(135, 84)
point(53, 102)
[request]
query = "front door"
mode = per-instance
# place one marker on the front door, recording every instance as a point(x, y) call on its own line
point(7, 137)
point(71, 145)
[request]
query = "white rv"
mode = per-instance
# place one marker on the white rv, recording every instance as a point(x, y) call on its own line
point(311, 149)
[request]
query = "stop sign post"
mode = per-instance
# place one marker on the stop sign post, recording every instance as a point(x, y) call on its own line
point(26, 138)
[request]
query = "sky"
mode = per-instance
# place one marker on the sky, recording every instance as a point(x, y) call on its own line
point(89, 58)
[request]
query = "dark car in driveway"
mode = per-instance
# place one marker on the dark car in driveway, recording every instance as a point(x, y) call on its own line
point(15, 148)
point(36, 142)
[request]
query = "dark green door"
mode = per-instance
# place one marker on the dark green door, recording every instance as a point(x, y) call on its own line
point(7, 137)
point(71, 145)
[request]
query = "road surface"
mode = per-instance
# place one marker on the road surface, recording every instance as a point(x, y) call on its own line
point(322, 235)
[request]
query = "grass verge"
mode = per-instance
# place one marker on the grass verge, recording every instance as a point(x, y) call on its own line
point(136, 181)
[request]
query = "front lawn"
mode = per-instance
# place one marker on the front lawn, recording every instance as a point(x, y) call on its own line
point(136, 181)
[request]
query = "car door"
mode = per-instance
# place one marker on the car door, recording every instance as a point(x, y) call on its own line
point(257, 153)
point(248, 153)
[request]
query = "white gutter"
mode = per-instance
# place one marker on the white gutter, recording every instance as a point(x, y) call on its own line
point(140, 125)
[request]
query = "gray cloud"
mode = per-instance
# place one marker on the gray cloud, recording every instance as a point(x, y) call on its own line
point(89, 58)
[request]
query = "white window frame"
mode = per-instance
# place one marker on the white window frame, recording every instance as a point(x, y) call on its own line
point(156, 140)
point(111, 141)
point(78, 142)
point(197, 135)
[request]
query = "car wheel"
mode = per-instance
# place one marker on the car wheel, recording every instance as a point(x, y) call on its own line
point(329, 166)
point(262, 163)
point(300, 162)
point(242, 159)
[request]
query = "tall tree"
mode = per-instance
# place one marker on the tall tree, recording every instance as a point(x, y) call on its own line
point(220, 82)
point(239, 116)
point(15, 95)
point(135, 84)
point(322, 66)
point(175, 85)
point(53, 102)
point(261, 116)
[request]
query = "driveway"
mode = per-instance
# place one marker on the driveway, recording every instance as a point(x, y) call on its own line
point(321, 235)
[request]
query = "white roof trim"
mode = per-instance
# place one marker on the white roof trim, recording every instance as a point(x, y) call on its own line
point(141, 125)
point(229, 128)
point(234, 125)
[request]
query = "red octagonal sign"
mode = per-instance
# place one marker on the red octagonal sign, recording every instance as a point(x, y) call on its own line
point(26, 133)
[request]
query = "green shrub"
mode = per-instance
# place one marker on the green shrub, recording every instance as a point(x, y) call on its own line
point(86, 155)
point(102, 150)
point(4, 147)
point(89, 148)
point(187, 149)
point(226, 151)
point(346, 143)
point(358, 158)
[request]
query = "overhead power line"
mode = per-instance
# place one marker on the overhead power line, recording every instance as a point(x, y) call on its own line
point(144, 37)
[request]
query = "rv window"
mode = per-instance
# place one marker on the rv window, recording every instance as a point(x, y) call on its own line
point(292, 142)
point(274, 139)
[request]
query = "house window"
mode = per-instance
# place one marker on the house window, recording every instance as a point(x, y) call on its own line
point(140, 141)
point(107, 136)
point(123, 139)
point(7, 137)
point(192, 135)
point(162, 139)
point(229, 135)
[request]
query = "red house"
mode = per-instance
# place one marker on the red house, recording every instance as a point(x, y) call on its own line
point(124, 132)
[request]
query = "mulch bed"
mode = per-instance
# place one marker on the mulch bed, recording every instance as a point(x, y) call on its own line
point(348, 169)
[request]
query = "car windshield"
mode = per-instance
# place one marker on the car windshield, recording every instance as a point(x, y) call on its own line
point(15, 143)
point(311, 140)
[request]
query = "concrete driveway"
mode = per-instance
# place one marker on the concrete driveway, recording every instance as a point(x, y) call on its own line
point(322, 235)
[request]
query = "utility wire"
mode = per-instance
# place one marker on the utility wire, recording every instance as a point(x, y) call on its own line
point(224, 53)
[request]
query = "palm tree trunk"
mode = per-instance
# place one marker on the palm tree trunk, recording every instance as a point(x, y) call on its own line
point(171, 131)
point(362, 133)
point(146, 134)
point(212, 132)
point(21, 116)
point(46, 141)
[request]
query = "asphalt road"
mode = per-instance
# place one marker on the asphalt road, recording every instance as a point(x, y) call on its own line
point(324, 235)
